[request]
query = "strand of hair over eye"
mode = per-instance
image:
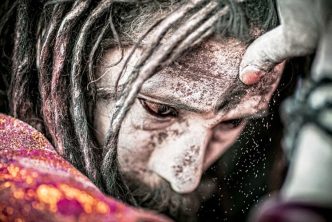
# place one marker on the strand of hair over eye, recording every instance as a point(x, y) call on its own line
point(68, 36)
point(110, 155)
point(156, 54)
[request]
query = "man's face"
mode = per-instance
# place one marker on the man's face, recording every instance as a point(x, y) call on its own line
point(185, 116)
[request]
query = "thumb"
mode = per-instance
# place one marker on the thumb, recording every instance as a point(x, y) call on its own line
point(297, 35)
point(270, 49)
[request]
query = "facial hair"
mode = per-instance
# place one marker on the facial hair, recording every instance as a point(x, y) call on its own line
point(181, 207)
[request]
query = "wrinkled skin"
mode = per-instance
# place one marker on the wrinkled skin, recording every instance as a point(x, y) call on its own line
point(211, 107)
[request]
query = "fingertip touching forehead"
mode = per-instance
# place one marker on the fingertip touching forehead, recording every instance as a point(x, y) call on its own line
point(167, 134)
point(204, 79)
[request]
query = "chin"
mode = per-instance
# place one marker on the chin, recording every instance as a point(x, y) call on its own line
point(161, 198)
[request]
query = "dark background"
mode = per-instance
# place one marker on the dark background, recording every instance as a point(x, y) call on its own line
point(255, 166)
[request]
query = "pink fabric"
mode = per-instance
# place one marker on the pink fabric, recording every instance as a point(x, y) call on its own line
point(36, 184)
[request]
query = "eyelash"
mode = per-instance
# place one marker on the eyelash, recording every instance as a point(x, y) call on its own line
point(159, 110)
point(230, 124)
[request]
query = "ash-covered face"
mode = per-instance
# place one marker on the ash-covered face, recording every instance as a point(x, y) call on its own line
point(185, 116)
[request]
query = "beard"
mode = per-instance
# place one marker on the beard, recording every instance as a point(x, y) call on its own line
point(181, 207)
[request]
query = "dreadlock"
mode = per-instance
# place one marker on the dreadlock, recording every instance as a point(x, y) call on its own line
point(55, 44)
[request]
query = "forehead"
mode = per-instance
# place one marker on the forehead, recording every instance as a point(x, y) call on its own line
point(204, 78)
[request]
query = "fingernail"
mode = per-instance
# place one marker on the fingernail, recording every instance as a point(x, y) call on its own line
point(251, 75)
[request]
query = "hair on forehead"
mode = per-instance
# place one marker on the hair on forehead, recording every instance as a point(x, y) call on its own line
point(48, 63)
point(237, 23)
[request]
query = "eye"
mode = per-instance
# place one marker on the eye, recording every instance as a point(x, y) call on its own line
point(159, 110)
point(230, 124)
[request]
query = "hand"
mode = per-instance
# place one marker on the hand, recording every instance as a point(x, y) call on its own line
point(303, 22)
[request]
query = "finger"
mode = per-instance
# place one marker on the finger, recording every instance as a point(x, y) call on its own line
point(322, 67)
point(270, 49)
point(296, 36)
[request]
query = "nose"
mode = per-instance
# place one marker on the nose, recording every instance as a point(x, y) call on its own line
point(179, 160)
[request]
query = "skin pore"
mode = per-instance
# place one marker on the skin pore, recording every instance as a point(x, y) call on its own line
point(184, 117)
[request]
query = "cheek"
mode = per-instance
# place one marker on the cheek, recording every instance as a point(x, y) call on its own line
point(102, 117)
point(220, 142)
point(134, 147)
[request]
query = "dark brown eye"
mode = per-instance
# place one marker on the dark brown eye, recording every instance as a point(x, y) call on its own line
point(159, 110)
point(230, 124)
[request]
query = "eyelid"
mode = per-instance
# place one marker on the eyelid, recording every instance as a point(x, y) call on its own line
point(161, 117)
point(149, 99)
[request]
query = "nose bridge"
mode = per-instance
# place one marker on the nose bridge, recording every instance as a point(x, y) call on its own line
point(179, 160)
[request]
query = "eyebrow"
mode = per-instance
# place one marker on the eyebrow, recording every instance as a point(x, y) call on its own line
point(232, 97)
point(229, 101)
point(170, 101)
point(106, 93)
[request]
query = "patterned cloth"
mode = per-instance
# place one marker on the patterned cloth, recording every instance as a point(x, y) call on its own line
point(36, 184)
